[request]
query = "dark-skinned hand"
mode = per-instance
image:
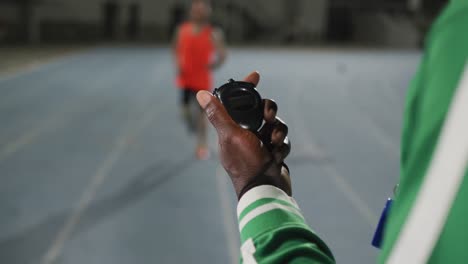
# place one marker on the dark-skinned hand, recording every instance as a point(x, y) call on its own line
point(248, 161)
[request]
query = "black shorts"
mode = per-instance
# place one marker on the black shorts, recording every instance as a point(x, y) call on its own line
point(187, 95)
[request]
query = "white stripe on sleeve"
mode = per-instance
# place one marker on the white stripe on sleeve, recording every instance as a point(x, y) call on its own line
point(264, 209)
point(261, 192)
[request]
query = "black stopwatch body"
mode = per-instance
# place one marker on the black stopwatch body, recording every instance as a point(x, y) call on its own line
point(245, 106)
point(243, 103)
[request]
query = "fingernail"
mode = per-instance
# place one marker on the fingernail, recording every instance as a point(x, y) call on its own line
point(203, 98)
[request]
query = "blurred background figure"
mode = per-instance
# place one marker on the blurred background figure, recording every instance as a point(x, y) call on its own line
point(198, 50)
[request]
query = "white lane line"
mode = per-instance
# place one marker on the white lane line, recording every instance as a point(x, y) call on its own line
point(352, 195)
point(339, 181)
point(225, 191)
point(388, 143)
point(44, 64)
point(27, 138)
point(121, 143)
point(379, 135)
point(52, 122)
point(228, 211)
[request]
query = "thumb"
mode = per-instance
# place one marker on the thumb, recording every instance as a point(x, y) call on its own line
point(215, 111)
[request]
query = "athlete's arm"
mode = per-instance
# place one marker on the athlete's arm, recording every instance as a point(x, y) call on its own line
point(175, 41)
point(272, 227)
point(220, 46)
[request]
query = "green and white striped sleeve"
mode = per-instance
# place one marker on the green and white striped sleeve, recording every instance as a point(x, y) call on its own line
point(273, 230)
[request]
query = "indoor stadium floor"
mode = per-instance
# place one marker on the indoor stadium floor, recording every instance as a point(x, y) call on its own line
point(97, 167)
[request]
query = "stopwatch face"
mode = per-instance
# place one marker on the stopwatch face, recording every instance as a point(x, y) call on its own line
point(243, 103)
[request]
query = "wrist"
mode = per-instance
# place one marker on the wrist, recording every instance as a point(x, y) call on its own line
point(282, 182)
point(257, 181)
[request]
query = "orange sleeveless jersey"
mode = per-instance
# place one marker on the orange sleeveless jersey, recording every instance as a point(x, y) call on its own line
point(194, 56)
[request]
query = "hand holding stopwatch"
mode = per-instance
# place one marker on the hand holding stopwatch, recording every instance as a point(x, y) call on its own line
point(246, 107)
point(252, 140)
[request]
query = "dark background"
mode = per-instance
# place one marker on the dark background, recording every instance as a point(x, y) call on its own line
point(96, 165)
point(278, 22)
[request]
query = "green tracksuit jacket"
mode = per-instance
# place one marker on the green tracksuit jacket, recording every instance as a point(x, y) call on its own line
point(272, 227)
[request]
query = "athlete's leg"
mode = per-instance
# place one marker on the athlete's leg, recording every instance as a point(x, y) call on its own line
point(185, 111)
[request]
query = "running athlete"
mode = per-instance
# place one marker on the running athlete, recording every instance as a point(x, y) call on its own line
point(427, 221)
point(198, 50)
